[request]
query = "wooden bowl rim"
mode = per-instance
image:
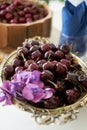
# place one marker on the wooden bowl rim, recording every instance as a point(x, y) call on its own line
point(49, 16)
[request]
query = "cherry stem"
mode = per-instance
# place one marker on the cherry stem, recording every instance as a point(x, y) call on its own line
point(23, 57)
point(49, 58)
point(55, 85)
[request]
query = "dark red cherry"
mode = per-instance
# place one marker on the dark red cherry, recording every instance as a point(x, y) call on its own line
point(72, 95)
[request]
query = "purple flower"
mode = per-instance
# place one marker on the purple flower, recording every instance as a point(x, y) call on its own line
point(49, 92)
point(22, 76)
point(27, 76)
point(8, 99)
point(11, 87)
point(35, 93)
point(25, 85)
point(4, 96)
point(36, 74)
point(8, 86)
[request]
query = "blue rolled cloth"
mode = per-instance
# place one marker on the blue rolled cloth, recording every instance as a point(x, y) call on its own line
point(74, 26)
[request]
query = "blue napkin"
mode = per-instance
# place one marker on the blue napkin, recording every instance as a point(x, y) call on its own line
point(74, 26)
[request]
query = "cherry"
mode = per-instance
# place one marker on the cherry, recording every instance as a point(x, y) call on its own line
point(29, 20)
point(8, 16)
point(61, 69)
point(73, 78)
point(71, 95)
point(2, 13)
point(14, 21)
point(28, 62)
point(26, 45)
point(61, 88)
point(8, 9)
point(40, 63)
point(21, 13)
point(65, 48)
point(66, 62)
point(33, 11)
point(59, 55)
point(44, 13)
point(69, 56)
point(81, 77)
point(34, 48)
point(48, 66)
point(36, 55)
point(53, 47)
point(18, 69)
point(35, 17)
point(34, 42)
point(22, 20)
point(49, 55)
point(53, 66)
point(47, 75)
point(17, 62)
point(8, 71)
point(17, 3)
point(54, 63)
point(52, 103)
point(28, 15)
point(27, 10)
point(4, 5)
point(33, 66)
point(45, 47)
point(23, 51)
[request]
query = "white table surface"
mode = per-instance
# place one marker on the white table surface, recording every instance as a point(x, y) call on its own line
point(12, 118)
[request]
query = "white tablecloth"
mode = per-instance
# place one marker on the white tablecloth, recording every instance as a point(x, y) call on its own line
point(12, 118)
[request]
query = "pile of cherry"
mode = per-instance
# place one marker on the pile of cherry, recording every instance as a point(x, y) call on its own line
point(59, 70)
point(17, 11)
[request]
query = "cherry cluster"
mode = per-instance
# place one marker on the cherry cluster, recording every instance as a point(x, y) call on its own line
point(17, 11)
point(59, 70)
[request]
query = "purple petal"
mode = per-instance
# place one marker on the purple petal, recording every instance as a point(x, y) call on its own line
point(6, 85)
point(17, 77)
point(37, 74)
point(13, 89)
point(31, 86)
point(33, 93)
point(2, 96)
point(38, 97)
point(27, 93)
point(24, 73)
point(17, 86)
point(49, 93)
point(8, 99)
point(40, 84)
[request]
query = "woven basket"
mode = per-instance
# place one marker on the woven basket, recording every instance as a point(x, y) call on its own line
point(48, 116)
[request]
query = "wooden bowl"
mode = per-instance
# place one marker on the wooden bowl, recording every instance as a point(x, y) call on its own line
point(14, 34)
